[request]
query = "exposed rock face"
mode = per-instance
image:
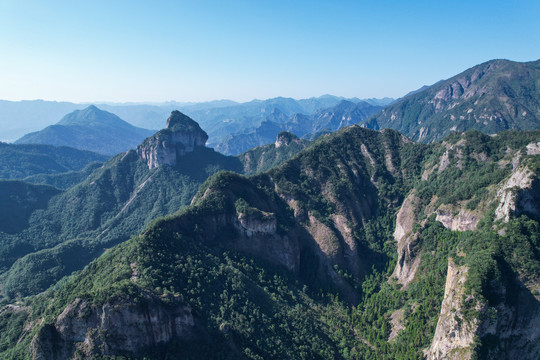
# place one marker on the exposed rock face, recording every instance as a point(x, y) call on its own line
point(113, 328)
point(396, 321)
point(408, 256)
point(285, 138)
point(454, 336)
point(182, 135)
point(460, 221)
point(483, 98)
point(258, 236)
point(516, 326)
point(519, 194)
point(533, 148)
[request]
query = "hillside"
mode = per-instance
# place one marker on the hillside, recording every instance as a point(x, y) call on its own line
point(90, 129)
point(113, 202)
point(18, 161)
point(491, 97)
point(106, 204)
point(63, 180)
point(364, 245)
point(19, 201)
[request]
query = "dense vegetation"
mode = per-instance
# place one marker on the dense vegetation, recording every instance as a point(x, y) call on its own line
point(21, 161)
point(64, 180)
point(263, 158)
point(336, 303)
point(114, 202)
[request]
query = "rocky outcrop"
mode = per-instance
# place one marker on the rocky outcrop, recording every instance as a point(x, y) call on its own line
point(533, 148)
point(408, 254)
point(285, 138)
point(114, 328)
point(258, 236)
point(513, 330)
point(454, 335)
point(455, 220)
point(182, 135)
point(519, 194)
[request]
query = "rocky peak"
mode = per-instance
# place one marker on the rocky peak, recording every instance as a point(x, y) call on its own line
point(285, 138)
point(182, 135)
point(181, 122)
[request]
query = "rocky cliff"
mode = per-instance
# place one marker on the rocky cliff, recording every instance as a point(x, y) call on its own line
point(182, 135)
point(454, 336)
point(122, 327)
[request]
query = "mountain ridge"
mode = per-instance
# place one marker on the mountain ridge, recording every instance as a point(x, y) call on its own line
point(493, 96)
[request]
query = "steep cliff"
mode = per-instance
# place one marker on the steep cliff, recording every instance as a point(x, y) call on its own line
point(122, 327)
point(454, 336)
point(182, 135)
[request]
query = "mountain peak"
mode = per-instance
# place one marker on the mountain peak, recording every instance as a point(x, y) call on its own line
point(179, 121)
point(181, 135)
point(92, 108)
point(285, 138)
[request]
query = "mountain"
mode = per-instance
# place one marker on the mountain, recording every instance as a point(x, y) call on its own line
point(363, 245)
point(21, 117)
point(105, 204)
point(115, 201)
point(262, 158)
point(22, 160)
point(343, 114)
point(491, 97)
point(379, 102)
point(90, 129)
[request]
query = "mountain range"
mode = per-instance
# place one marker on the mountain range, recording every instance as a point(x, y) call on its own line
point(360, 243)
point(18, 118)
point(18, 161)
point(114, 201)
point(343, 114)
point(429, 250)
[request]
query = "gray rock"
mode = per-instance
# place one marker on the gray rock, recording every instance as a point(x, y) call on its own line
point(182, 135)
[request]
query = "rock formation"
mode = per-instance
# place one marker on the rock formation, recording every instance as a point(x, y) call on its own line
point(454, 336)
point(518, 195)
point(113, 328)
point(285, 138)
point(406, 238)
point(182, 135)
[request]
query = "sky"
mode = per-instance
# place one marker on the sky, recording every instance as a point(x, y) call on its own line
point(156, 51)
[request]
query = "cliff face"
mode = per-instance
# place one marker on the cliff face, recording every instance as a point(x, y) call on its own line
point(519, 194)
point(408, 252)
point(182, 135)
point(114, 328)
point(454, 335)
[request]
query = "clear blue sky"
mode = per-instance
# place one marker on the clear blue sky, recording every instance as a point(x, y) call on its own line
point(119, 51)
